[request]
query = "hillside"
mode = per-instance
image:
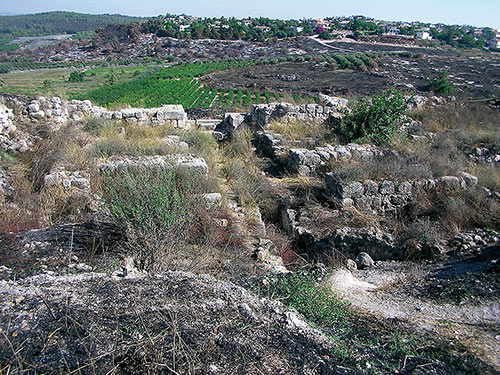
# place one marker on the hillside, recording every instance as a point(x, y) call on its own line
point(57, 23)
point(180, 198)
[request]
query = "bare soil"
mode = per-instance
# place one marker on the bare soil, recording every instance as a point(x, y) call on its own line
point(410, 292)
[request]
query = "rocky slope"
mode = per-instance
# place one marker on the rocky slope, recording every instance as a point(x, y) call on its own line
point(172, 323)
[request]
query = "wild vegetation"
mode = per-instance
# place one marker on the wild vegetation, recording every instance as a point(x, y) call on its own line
point(56, 23)
point(322, 235)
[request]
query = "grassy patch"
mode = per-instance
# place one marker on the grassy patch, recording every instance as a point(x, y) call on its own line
point(301, 291)
point(298, 131)
point(5, 45)
point(370, 344)
point(56, 81)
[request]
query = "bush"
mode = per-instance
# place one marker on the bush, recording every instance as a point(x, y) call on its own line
point(441, 85)
point(455, 211)
point(325, 35)
point(317, 303)
point(76, 76)
point(155, 206)
point(419, 236)
point(374, 119)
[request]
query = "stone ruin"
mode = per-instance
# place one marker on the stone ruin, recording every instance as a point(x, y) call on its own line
point(387, 196)
point(57, 111)
point(263, 114)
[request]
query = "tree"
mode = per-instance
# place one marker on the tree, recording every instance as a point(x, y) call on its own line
point(325, 35)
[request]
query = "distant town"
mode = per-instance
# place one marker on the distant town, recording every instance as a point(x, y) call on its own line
point(359, 27)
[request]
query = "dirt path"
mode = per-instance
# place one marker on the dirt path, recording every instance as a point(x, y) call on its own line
point(329, 46)
point(477, 326)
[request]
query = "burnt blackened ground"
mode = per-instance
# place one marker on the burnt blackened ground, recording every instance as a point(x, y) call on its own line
point(475, 77)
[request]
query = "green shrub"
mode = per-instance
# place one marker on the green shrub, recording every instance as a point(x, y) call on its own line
point(441, 85)
point(142, 195)
point(342, 62)
point(319, 304)
point(375, 119)
point(76, 76)
point(155, 205)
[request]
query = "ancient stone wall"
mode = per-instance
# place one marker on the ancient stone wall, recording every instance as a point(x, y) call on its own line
point(387, 196)
point(58, 111)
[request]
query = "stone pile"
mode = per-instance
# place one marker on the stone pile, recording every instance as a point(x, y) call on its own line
point(483, 154)
point(474, 239)
point(11, 139)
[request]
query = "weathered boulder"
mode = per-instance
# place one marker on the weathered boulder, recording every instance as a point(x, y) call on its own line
point(226, 128)
point(349, 189)
point(211, 200)
point(175, 141)
point(334, 102)
point(363, 261)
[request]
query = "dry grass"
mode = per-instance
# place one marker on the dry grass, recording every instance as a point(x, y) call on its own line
point(249, 184)
point(451, 212)
point(468, 116)
point(488, 175)
point(300, 131)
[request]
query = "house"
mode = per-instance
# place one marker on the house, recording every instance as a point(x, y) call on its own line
point(494, 43)
point(183, 28)
point(298, 29)
point(424, 35)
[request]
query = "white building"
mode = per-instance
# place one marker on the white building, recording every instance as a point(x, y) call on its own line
point(424, 35)
point(298, 29)
point(184, 27)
